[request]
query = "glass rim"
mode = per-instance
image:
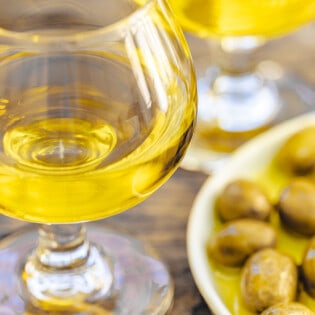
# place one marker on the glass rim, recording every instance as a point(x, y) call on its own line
point(32, 38)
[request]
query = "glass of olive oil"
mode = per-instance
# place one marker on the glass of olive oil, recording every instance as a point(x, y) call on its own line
point(238, 98)
point(97, 107)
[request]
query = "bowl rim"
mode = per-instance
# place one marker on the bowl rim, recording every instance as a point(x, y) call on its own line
point(33, 39)
point(196, 236)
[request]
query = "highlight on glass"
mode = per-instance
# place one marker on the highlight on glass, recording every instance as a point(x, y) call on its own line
point(97, 108)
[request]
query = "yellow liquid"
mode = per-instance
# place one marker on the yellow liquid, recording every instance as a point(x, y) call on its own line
point(61, 173)
point(72, 152)
point(228, 279)
point(213, 137)
point(242, 17)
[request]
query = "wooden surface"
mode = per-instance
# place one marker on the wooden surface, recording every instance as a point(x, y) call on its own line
point(161, 220)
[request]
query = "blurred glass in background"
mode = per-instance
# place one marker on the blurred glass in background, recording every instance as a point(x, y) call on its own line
point(252, 60)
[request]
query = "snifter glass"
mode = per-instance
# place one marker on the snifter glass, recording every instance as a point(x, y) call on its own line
point(97, 107)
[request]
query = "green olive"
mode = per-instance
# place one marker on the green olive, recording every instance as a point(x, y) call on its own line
point(297, 206)
point(293, 308)
point(240, 238)
point(243, 198)
point(268, 277)
point(297, 155)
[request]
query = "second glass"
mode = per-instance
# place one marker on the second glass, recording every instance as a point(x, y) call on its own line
point(237, 98)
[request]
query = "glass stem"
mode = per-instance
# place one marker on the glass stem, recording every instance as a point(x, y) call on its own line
point(236, 55)
point(242, 98)
point(62, 246)
point(64, 268)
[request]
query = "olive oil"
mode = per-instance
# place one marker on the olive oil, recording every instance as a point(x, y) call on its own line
point(73, 169)
point(74, 146)
point(213, 137)
point(242, 17)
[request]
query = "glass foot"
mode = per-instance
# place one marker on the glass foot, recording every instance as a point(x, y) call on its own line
point(222, 126)
point(141, 282)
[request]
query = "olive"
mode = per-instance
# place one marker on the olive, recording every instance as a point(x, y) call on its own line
point(267, 278)
point(308, 268)
point(296, 206)
point(297, 154)
point(243, 198)
point(293, 308)
point(240, 238)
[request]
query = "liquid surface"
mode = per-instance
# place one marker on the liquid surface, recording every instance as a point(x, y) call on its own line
point(242, 17)
point(60, 145)
point(228, 279)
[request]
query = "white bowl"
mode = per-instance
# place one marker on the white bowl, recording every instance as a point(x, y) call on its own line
point(247, 161)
